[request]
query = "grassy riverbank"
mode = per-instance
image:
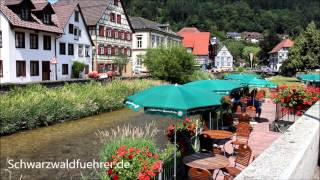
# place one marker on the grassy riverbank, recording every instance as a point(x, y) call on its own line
point(34, 106)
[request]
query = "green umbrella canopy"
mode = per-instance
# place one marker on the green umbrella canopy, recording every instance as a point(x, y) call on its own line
point(218, 86)
point(259, 83)
point(173, 100)
point(242, 76)
point(314, 77)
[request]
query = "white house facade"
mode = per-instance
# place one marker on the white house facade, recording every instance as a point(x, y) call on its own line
point(224, 59)
point(27, 35)
point(279, 54)
point(149, 34)
point(75, 43)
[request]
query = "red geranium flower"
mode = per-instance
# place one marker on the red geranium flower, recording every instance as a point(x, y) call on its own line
point(109, 171)
point(115, 177)
point(156, 166)
point(149, 154)
point(142, 176)
point(130, 156)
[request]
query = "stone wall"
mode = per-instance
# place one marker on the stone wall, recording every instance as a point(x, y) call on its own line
point(295, 155)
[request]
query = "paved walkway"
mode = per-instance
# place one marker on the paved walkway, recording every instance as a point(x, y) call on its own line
point(261, 138)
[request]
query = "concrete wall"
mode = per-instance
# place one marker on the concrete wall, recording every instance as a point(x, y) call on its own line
point(294, 155)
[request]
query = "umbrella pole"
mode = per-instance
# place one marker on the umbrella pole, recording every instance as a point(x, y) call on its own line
point(210, 120)
point(175, 155)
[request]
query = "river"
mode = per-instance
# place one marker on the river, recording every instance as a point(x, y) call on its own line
point(70, 140)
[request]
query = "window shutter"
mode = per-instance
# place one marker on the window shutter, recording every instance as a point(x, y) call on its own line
point(125, 51)
point(101, 30)
point(105, 29)
point(112, 50)
point(105, 49)
point(112, 33)
point(99, 50)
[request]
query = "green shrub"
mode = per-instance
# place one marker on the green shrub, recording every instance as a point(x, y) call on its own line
point(34, 106)
point(200, 75)
point(77, 68)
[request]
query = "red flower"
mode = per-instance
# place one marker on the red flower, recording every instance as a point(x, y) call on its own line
point(186, 121)
point(109, 171)
point(130, 156)
point(149, 154)
point(138, 151)
point(151, 173)
point(299, 113)
point(156, 166)
point(115, 177)
point(131, 150)
point(156, 156)
point(142, 176)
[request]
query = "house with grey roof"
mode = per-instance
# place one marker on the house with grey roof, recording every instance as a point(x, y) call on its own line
point(149, 34)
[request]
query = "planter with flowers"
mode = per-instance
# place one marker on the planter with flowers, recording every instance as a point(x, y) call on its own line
point(137, 159)
point(296, 99)
point(184, 133)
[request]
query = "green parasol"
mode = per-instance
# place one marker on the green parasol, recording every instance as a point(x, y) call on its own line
point(313, 77)
point(218, 86)
point(173, 100)
point(258, 83)
point(241, 76)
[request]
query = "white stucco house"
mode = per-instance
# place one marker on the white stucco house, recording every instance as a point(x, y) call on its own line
point(149, 34)
point(28, 33)
point(38, 43)
point(224, 59)
point(75, 43)
point(279, 54)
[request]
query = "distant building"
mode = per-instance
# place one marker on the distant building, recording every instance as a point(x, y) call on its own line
point(253, 37)
point(149, 34)
point(279, 53)
point(224, 59)
point(75, 43)
point(196, 43)
point(111, 32)
point(234, 35)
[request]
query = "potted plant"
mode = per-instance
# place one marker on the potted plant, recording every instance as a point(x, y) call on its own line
point(184, 133)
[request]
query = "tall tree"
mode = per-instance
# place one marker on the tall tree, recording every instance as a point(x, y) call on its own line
point(173, 64)
point(305, 54)
point(269, 41)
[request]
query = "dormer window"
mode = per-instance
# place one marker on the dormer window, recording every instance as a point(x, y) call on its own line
point(46, 18)
point(25, 13)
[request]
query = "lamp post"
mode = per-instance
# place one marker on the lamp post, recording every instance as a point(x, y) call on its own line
point(251, 59)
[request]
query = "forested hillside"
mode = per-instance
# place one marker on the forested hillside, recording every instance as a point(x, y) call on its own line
point(219, 16)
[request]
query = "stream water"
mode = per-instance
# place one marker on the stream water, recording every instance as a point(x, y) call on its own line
point(70, 140)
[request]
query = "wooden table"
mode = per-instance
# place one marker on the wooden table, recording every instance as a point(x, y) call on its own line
point(206, 161)
point(218, 134)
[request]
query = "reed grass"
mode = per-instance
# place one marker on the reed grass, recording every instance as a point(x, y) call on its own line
point(35, 106)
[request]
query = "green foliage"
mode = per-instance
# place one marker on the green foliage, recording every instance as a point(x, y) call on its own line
point(77, 67)
point(241, 69)
point(217, 16)
point(305, 54)
point(200, 75)
point(250, 49)
point(270, 39)
point(173, 64)
point(121, 61)
point(34, 106)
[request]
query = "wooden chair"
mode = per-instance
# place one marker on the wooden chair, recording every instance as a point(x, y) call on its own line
point(244, 117)
point(251, 110)
point(199, 174)
point(206, 144)
point(242, 135)
point(243, 159)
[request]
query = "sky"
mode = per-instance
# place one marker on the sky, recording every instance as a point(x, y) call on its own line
point(52, 1)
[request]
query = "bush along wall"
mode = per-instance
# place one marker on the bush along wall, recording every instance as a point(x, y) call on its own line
point(36, 105)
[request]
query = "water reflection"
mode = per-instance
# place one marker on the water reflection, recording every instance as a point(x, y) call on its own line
point(69, 140)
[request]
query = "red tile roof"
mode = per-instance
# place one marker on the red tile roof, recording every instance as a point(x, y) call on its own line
point(193, 38)
point(64, 9)
point(286, 43)
point(188, 30)
point(15, 20)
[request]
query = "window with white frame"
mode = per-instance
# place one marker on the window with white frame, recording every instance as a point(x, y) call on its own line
point(128, 36)
point(153, 41)
point(87, 50)
point(109, 32)
point(116, 51)
point(139, 61)
point(229, 61)
point(80, 50)
point(116, 34)
point(101, 51)
point(139, 41)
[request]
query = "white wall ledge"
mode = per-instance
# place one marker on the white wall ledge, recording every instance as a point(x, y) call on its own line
point(294, 155)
